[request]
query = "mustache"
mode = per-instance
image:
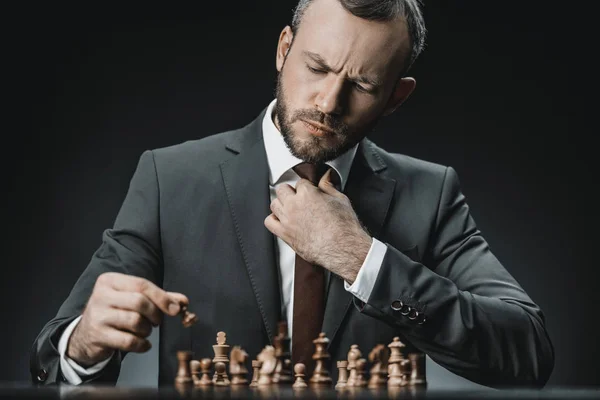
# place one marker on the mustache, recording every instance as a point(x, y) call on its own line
point(330, 122)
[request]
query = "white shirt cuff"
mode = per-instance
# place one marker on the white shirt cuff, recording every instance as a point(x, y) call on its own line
point(72, 371)
point(367, 275)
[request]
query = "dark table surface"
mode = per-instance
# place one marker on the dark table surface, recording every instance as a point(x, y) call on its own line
point(8, 390)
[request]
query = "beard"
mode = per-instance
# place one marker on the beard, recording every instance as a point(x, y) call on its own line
point(315, 149)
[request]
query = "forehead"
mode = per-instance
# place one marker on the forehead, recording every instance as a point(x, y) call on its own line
point(351, 42)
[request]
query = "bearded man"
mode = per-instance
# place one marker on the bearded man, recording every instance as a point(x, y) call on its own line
point(298, 217)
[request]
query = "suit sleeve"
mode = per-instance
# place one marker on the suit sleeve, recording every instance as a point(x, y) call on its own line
point(464, 309)
point(132, 246)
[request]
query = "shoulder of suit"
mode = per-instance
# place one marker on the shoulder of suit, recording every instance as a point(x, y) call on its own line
point(405, 167)
point(205, 152)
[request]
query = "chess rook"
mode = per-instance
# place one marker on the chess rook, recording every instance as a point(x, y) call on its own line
point(342, 374)
point(256, 364)
point(184, 373)
point(417, 369)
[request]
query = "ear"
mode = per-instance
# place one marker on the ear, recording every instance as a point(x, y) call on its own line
point(403, 89)
point(283, 47)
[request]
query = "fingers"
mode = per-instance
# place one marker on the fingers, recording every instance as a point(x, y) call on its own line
point(277, 208)
point(284, 191)
point(274, 226)
point(168, 304)
point(129, 321)
point(138, 302)
point(126, 341)
point(327, 185)
point(179, 298)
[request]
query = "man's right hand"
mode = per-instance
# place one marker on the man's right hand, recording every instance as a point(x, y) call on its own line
point(119, 316)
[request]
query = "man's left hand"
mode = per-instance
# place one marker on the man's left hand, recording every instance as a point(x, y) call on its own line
point(319, 224)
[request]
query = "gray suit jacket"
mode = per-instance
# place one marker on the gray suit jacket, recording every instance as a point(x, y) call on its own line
point(192, 222)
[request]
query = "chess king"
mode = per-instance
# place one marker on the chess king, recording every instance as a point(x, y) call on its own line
point(299, 217)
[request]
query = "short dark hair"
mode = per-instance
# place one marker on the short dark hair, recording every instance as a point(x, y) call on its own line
point(382, 10)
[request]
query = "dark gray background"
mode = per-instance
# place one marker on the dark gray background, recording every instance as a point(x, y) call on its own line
point(500, 95)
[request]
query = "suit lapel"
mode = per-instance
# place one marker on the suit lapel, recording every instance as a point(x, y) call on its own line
point(246, 178)
point(371, 195)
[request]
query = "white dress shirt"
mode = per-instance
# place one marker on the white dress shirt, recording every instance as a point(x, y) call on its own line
point(281, 163)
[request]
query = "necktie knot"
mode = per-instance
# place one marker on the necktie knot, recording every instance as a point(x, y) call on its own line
point(312, 172)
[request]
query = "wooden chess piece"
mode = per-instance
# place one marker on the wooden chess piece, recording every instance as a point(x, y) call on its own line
point(396, 364)
point(256, 364)
point(283, 371)
point(220, 375)
point(353, 355)
point(269, 363)
point(417, 369)
point(361, 367)
point(187, 318)
point(342, 374)
point(299, 370)
point(221, 350)
point(195, 370)
point(237, 366)
point(184, 374)
point(321, 374)
point(379, 359)
point(205, 365)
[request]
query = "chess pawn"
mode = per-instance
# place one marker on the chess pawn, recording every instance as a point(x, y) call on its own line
point(321, 374)
point(299, 370)
point(205, 365)
point(195, 370)
point(256, 364)
point(184, 374)
point(342, 374)
point(396, 364)
point(353, 355)
point(417, 369)
point(361, 367)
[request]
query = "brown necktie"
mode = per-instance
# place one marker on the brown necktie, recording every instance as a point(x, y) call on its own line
point(309, 292)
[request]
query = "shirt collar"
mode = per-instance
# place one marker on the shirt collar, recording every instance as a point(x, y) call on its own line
point(281, 160)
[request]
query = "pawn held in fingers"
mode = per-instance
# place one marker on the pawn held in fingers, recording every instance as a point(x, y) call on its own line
point(168, 302)
point(179, 301)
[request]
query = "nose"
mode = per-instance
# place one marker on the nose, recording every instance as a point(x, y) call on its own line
point(329, 99)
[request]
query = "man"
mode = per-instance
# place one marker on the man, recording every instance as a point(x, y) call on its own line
point(297, 217)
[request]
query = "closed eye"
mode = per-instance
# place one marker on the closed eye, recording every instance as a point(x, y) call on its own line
point(315, 70)
point(361, 88)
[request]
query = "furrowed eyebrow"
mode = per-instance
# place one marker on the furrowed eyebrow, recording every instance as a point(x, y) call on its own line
point(322, 64)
